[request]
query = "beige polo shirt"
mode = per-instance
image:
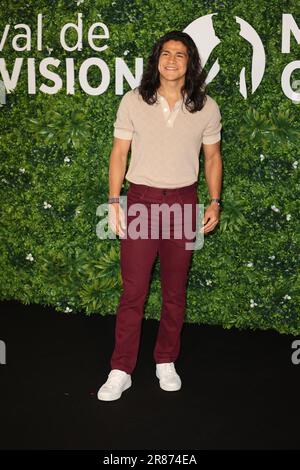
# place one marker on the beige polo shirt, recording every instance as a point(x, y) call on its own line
point(165, 144)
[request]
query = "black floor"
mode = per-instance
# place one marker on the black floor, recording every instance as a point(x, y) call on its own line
point(240, 389)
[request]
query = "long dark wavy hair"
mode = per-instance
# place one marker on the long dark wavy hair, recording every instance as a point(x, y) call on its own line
point(194, 86)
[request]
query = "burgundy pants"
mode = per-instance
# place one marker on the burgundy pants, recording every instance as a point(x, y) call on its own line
point(137, 258)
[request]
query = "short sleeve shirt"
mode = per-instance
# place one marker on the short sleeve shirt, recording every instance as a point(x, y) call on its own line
point(165, 143)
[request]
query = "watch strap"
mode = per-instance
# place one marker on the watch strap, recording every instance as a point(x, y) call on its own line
point(111, 200)
point(215, 199)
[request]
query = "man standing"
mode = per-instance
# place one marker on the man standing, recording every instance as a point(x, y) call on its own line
point(165, 120)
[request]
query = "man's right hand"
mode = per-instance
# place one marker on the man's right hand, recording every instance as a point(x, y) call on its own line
point(116, 218)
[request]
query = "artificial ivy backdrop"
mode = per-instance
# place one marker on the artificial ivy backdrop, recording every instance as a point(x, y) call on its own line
point(54, 168)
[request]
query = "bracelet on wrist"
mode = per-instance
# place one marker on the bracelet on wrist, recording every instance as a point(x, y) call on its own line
point(215, 199)
point(111, 200)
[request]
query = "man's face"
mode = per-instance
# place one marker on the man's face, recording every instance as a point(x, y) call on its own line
point(173, 59)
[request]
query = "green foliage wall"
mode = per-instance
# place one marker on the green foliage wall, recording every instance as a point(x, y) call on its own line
point(54, 169)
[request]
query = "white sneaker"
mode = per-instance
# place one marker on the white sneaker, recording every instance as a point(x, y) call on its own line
point(117, 382)
point(169, 380)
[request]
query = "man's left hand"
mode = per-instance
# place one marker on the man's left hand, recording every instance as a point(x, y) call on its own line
point(211, 218)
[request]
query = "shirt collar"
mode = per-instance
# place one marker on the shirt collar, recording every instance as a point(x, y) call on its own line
point(162, 98)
